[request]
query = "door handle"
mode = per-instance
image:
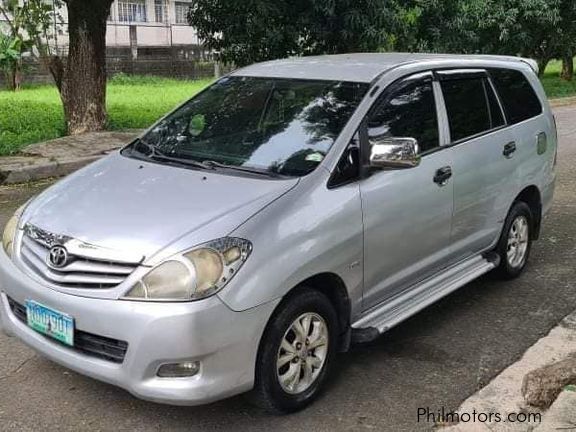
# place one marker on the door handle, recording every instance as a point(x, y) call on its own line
point(443, 175)
point(509, 149)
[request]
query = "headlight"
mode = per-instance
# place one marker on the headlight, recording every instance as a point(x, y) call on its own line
point(10, 231)
point(195, 274)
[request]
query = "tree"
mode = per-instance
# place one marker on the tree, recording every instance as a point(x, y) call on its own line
point(15, 41)
point(10, 59)
point(82, 80)
point(566, 40)
point(81, 77)
point(442, 26)
point(528, 28)
point(256, 30)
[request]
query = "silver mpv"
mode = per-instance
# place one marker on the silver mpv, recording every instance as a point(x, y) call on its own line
point(290, 209)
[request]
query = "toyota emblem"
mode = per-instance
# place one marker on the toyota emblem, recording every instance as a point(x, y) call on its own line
point(58, 256)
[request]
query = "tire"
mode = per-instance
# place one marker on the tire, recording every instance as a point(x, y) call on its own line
point(273, 390)
point(516, 235)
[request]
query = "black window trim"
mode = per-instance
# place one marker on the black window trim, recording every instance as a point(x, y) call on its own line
point(489, 70)
point(467, 73)
point(506, 124)
point(423, 76)
point(453, 74)
point(362, 129)
point(498, 99)
point(437, 74)
point(332, 182)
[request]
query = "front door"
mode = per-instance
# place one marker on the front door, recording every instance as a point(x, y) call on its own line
point(407, 212)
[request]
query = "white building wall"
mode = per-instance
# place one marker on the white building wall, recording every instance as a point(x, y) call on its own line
point(148, 34)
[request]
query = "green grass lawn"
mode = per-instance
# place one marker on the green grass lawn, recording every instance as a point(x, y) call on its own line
point(554, 86)
point(35, 113)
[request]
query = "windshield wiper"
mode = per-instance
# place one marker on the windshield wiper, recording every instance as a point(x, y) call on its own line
point(155, 154)
point(188, 162)
point(158, 155)
point(214, 164)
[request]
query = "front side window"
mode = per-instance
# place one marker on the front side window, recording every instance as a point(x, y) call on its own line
point(407, 112)
point(467, 106)
point(132, 11)
point(281, 126)
point(517, 95)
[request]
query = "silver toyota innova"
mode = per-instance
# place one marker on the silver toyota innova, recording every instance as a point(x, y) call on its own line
point(290, 209)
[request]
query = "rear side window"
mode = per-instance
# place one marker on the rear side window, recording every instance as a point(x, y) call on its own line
point(468, 110)
point(517, 95)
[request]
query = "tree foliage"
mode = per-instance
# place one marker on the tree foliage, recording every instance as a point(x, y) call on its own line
point(539, 29)
point(35, 25)
point(255, 30)
point(10, 57)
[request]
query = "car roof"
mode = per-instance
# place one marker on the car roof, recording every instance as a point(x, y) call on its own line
point(360, 67)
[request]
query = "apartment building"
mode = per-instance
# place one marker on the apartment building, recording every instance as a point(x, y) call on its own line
point(143, 37)
point(142, 24)
point(150, 23)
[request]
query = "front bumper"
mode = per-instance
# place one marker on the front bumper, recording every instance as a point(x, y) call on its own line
point(224, 341)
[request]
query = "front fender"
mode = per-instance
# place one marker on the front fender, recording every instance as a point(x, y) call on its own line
point(310, 230)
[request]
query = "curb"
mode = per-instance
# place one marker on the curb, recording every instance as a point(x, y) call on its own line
point(61, 156)
point(561, 415)
point(503, 394)
point(560, 102)
point(43, 170)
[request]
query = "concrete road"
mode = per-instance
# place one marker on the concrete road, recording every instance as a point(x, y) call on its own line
point(435, 360)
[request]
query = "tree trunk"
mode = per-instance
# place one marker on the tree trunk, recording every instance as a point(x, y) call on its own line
point(567, 68)
point(17, 76)
point(83, 86)
point(56, 67)
point(542, 64)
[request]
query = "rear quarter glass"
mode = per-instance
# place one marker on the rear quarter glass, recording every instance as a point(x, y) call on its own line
point(517, 95)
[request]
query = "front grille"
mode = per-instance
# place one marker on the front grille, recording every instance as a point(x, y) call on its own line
point(79, 272)
point(89, 344)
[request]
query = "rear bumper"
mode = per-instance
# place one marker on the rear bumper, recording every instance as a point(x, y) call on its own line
point(224, 341)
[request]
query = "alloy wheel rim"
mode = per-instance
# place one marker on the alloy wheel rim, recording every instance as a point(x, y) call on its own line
point(517, 242)
point(302, 353)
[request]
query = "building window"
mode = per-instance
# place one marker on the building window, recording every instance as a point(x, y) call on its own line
point(181, 10)
point(132, 11)
point(161, 11)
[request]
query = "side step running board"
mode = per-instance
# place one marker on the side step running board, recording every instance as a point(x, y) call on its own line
point(385, 316)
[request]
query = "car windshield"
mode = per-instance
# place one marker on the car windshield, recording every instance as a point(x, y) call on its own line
point(276, 126)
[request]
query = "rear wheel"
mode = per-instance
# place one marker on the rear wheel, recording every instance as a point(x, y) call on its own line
point(296, 353)
point(515, 241)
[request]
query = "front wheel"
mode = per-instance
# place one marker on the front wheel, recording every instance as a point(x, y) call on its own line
point(295, 353)
point(515, 241)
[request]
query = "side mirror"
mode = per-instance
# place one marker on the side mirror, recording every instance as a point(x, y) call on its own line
point(391, 152)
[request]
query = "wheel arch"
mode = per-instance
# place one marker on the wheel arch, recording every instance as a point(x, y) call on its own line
point(533, 198)
point(334, 288)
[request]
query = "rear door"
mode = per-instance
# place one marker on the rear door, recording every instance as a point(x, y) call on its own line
point(533, 130)
point(483, 159)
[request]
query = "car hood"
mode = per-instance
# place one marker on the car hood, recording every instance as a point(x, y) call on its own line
point(129, 205)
